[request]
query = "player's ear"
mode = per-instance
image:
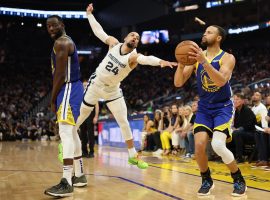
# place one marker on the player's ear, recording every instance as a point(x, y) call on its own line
point(219, 38)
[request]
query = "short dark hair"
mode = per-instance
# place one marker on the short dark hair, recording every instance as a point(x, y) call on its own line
point(221, 32)
point(240, 95)
point(57, 17)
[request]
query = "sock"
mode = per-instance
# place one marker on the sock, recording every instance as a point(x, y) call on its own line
point(67, 173)
point(237, 175)
point(78, 167)
point(206, 175)
point(132, 152)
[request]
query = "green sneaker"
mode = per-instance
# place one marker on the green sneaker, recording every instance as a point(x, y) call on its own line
point(136, 161)
point(60, 152)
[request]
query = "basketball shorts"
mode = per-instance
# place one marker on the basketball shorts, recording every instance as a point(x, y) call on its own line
point(214, 117)
point(97, 90)
point(69, 101)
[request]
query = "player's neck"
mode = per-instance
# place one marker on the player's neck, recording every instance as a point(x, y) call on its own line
point(212, 51)
point(63, 34)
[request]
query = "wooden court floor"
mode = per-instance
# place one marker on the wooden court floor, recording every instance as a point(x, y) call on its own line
point(27, 168)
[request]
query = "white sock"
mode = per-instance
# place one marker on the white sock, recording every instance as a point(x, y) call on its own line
point(132, 152)
point(67, 173)
point(78, 167)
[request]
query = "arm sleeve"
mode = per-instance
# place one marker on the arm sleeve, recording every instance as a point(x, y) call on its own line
point(97, 28)
point(148, 60)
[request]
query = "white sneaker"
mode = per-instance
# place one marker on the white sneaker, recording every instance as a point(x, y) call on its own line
point(158, 152)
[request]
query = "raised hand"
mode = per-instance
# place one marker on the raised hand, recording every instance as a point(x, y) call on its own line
point(89, 9)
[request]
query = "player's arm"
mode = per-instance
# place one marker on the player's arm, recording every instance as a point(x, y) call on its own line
point(219, 77)
point(182, 74)
point(98, 30)
point(62, 47)
point(137, 58)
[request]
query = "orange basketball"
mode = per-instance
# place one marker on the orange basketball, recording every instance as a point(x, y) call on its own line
point(181, 52)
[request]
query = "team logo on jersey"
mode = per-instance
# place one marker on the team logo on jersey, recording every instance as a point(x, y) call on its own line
point(115, 60)
point(207, 84)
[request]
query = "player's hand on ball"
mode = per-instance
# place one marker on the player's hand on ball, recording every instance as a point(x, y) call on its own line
point(197, 54)
point(164, 63)
point(89, 9)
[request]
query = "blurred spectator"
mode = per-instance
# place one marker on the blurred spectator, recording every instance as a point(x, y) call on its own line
point(244, 126)
point(189, 139)
point(261, 138)
point(166, 135)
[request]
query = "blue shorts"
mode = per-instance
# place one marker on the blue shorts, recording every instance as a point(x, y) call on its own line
point(69, 102)
point(214, 117)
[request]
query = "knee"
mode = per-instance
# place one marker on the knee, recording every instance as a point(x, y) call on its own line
point(218, 146)
point(200, 148)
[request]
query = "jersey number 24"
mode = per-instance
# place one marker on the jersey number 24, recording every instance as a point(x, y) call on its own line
point(111, 68)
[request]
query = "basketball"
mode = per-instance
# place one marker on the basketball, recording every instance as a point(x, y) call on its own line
point(181, 52)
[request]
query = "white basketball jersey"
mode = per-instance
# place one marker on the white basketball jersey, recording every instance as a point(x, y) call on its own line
point(114, 67)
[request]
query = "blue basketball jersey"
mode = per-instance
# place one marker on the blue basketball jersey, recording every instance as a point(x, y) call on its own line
point(70, 96)
point(73, 67)
point(208, 91)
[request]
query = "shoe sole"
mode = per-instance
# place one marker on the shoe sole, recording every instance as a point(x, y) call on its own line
point(239, 195)
point(59, 195)
point(80, 184)
point(207, 194)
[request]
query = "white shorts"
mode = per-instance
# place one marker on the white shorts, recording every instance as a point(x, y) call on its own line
point(97, 90)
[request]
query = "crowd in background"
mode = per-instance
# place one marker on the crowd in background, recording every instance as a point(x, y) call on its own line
point(170, 132)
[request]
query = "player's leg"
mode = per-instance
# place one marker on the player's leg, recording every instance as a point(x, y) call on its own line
point(79, 180)
point(65, 188)
point(202, 131)
point(90, 99)
point(222, 132)
point(119, 110)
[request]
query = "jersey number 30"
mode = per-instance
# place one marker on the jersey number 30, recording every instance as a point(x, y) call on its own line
point(112, 69)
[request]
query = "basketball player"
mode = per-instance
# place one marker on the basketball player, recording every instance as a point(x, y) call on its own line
point(120, 60)
point(213, 71)
point(67, 95)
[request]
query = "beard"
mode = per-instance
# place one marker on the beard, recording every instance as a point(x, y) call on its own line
point(57, 35)
point(130, 45)
point(204, 44)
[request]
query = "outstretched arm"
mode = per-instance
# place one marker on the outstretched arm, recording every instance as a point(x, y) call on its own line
point(97, 28)
point(135, 59)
